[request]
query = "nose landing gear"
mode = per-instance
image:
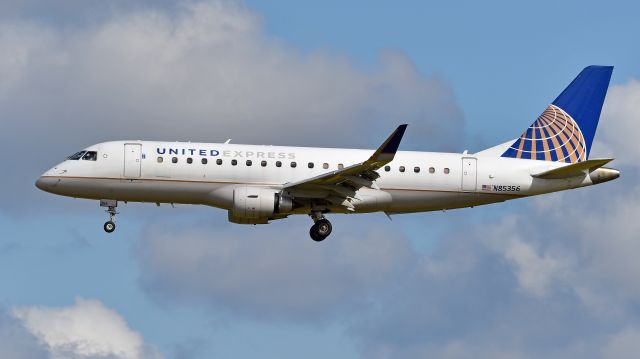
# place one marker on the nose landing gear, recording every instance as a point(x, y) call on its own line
point(111, 205)
point(321, 229)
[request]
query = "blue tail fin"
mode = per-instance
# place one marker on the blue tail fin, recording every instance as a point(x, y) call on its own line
point(565, 130)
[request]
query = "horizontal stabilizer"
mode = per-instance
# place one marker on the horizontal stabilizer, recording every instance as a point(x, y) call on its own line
point(573, 170)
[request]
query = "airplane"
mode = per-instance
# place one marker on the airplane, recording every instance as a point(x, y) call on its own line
point(258, 184)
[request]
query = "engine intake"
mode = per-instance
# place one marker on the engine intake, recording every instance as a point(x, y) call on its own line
point(256, 205)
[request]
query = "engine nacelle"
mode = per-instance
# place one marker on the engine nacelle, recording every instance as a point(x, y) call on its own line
point(256, 205)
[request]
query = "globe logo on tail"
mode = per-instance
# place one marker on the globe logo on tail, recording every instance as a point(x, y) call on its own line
point(554, 136)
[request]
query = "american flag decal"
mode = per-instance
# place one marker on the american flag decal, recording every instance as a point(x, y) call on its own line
point(486, 187)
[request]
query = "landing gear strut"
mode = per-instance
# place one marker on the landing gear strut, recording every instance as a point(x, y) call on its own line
point(321, 229)
point(111, 205)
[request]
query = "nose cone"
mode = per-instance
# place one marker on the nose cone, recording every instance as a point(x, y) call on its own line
point(51, 179)
point(40, 183)
point(46, 184)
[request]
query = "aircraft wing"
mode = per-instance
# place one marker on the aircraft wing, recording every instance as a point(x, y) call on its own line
point(339, 185)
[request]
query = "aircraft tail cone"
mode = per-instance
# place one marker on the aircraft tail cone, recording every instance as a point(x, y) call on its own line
point(601, 175)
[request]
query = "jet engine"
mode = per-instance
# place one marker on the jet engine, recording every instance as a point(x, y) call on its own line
point(256, 205)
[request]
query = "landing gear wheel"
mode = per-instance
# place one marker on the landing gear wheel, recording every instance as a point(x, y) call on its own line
point(111, 205)
point(109, 227)
point(313, 232)
point(320, 230)
point(323, 227)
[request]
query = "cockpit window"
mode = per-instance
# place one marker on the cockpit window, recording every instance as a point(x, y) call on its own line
point(76, 156)
point(90, 156)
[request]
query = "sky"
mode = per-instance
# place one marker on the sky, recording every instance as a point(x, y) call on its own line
point(554, 276)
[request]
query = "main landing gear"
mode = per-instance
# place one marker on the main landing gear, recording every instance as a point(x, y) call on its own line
point(321, 229)
point(111, 205)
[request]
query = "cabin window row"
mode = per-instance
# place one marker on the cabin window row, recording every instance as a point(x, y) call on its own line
point(325, 165)
point(416, 169)
point(248, 163)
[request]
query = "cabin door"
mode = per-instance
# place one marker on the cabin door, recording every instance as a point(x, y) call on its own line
point(469, 178)
point(132, 160)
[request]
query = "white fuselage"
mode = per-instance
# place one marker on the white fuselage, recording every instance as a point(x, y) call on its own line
point(144, 171)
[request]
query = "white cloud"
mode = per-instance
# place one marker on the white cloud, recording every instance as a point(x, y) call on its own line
point(536, 270)
point(87, 329)
point(623, 345)
point(270, 272)
point(556, 278)
point(16, 342)
point(618, 129)
point(205, 72)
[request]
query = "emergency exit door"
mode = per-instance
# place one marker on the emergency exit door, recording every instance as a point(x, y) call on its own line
point(132, 160)
point(469, 178)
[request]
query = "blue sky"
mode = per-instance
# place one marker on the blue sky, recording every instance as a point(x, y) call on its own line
point(554, 276)
point(485, 50)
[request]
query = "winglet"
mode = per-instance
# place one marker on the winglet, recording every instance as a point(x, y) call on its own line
point(388, 149)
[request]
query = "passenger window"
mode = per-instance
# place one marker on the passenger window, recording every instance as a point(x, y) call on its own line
point(325, 165)
point(204, 161)
point(293, 165)
point(160, 159)
point(446, 171)
point(340, 166)
point(310, 165)
point(278, 164)
point(76, 156)
point(218, 162)
point(248, 163)
point(174, 160)
point(189, 160)
point(416, 169)
point(90, 156)
point(263, 163)
point(432, 170)
point(401, 168)
point(387, 168)
point(234, 162)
